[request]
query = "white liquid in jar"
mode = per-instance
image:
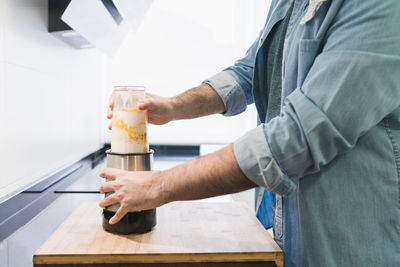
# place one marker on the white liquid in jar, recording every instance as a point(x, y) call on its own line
point(129, 131)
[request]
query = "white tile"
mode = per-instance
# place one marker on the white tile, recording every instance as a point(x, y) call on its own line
point(37, 135)
point(2, 42)
point(27, 41)
point(3, 254)
point(52, 120)
point(86, 113)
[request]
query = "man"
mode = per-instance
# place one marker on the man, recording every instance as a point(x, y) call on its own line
point(325, 78)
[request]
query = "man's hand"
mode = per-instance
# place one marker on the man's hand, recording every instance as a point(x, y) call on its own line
point(135, 191)
point(196, 102)
point(159, 109)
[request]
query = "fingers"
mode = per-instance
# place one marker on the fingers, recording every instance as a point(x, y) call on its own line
point(121, 212)
point(149, 95)
point(111, 101)
point(110, 110)
point(107, 187)
point(145, 104)
point(108, 201)
point(110, 173)
point(109, 114)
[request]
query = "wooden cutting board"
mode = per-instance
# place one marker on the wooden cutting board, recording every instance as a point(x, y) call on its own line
point(204, 233)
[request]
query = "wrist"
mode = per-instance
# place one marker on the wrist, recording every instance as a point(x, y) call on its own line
point(171, 108)
point(159, 188)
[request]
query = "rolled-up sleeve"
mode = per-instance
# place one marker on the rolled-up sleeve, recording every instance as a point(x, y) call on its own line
point(255, 159)
point(229, 91)
point(234, 84)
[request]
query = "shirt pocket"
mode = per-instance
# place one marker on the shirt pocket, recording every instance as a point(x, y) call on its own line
point(308, 51)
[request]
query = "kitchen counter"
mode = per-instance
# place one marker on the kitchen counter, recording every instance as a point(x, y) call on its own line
point(37, 221)
point(187, 234)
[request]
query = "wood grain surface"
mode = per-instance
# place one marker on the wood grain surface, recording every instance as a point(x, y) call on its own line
point(185, 232)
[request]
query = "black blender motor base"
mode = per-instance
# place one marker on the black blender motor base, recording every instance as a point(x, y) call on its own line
point(132, 223)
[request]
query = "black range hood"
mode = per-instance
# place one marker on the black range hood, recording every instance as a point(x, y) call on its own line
point(59, 29)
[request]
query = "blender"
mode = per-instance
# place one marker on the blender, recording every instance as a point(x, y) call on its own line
point(129, 151)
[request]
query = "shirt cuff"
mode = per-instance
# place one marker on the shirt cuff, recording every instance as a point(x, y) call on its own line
point(255, 159)
point(226, 86)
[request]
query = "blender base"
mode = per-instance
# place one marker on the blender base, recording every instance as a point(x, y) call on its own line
point(132, 223)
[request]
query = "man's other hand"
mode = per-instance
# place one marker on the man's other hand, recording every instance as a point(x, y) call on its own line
point(134, 191)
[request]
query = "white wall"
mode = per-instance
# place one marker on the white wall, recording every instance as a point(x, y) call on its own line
point(51, 97)
point(179, 44)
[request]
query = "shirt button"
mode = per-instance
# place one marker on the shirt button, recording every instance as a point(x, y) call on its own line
point(261, 40)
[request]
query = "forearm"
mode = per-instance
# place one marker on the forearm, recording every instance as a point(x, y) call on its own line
point(212, 175)
point(200, 101)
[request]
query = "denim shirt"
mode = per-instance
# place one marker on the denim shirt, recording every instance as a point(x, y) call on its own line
point(336, 143)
